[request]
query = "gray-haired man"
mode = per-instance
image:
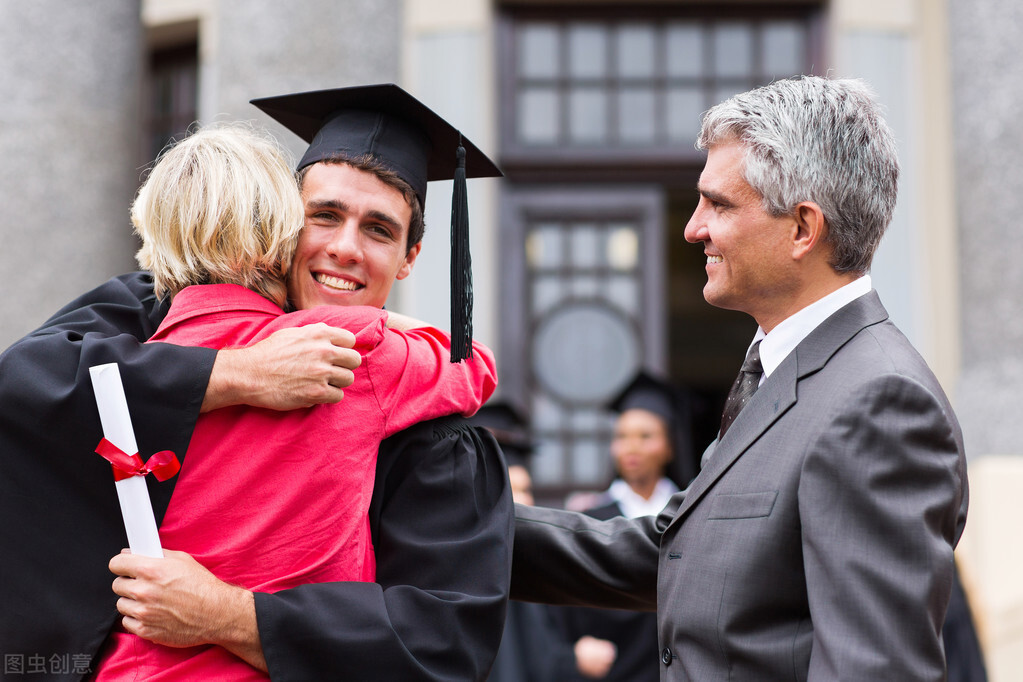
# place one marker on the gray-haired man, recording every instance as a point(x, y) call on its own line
point(816, 543)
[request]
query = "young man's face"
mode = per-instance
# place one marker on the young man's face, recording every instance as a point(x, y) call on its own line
point(749, 251)
point(353, 246)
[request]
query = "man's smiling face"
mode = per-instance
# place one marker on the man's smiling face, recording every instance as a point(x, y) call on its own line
point(749, 251)
point(354, 243)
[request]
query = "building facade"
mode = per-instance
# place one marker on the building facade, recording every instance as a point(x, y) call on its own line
point(581, 272)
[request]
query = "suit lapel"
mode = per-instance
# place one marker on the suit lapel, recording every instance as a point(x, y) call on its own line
point(779, 392)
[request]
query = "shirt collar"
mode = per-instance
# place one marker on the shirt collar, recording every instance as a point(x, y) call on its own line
point(777, 345)
point(634, 505)
point(203, 299)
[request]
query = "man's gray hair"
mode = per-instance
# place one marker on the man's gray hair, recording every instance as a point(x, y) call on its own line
point(822, 140)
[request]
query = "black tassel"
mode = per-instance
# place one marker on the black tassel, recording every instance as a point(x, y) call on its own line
point(461, 266)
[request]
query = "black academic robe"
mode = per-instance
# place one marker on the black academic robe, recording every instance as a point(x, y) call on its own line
point(963, 657)
point(441, 515)
point(634, 633)
point(532, 649)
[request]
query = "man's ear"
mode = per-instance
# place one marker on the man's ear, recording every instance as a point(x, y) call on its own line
point(410, 259)
point(811, 229)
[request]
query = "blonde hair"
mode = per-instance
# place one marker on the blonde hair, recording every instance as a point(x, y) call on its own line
point(221, 206)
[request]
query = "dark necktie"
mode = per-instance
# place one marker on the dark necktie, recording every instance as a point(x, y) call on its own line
point(743, 389)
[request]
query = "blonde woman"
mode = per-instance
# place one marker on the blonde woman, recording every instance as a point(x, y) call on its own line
point(270, 500)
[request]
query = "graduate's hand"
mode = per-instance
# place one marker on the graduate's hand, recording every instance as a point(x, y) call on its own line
point(292, 368)
point(175, 601)
point(594, 657)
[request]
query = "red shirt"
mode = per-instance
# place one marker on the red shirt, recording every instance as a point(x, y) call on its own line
point(270, 500)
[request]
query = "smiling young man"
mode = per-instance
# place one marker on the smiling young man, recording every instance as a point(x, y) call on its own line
point(420, 618)
point(816, 543)
point(356, 241)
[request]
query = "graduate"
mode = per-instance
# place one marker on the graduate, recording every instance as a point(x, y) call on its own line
point(272, 500)
point(532, 649)
point(420, 619)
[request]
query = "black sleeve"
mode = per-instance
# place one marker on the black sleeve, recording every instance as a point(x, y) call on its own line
point(570, 559)
point(61, 521)
point(442, 522)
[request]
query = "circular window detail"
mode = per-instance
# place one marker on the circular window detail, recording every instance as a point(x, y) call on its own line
point(584, 352)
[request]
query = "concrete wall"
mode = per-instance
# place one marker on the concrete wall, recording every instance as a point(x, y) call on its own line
point(988, 96)
point(988, 77)
point(68, 126)
point(900, 47)
point(70, 119)
point(448, 64)
point(258, 48)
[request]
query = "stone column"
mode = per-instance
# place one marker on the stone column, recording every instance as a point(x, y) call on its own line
point(257, 48)
point(987, 100)
point(68, 138)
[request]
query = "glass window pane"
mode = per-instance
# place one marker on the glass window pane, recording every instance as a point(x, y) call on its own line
point(733, 49)
point(590, 463)
point(538, 115)
point(538, 51)
point(548, 462)
point(547, 292)
point(685, 110)
point(547, 415)
point(586, 420)
point(684, 50)
point(587, 115)
point(637, 115)
point(585, 287)
point(587, 51)
point(623, 291)
point(635, 53)
point(724, 89)
point(584, 247)
point(545, 246)
point(622, 247)
point(783, 49)
point(582, 350)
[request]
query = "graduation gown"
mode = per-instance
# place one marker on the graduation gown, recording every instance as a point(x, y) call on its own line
point(634, 633)
point(963, 656)
point(440, 515)
point(532, 649)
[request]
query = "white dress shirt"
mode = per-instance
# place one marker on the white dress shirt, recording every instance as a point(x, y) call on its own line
point(777, 345)
point(634, 505)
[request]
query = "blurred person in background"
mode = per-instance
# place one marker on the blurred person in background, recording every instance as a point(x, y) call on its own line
point(533, 650)
point(651, 430)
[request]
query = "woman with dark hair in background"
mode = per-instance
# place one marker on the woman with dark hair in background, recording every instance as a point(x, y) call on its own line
point(651, 445)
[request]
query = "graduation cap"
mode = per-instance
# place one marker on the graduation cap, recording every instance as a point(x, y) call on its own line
point(404, 136)
point(647, 392)
point(510, 427)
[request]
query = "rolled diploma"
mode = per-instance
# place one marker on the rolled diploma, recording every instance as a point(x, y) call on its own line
point(132, 493)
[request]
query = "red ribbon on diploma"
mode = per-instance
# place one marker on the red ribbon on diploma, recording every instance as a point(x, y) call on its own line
point(163, 464)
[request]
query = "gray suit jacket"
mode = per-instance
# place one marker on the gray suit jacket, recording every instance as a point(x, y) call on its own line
point(816, 543)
